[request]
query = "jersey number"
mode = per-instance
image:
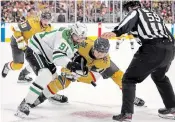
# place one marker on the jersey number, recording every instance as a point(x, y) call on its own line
point(63, 46)
point(153, 17)
point(23, 25)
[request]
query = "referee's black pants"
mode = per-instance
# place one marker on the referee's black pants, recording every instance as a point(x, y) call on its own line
point(149, 59)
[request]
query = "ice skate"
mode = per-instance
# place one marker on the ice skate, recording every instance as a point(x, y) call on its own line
point(123, 117)
point(167, 113)
point(23, 78)
point(38, 101)
point(5, 70)
point(56, 99)
point(23, 110)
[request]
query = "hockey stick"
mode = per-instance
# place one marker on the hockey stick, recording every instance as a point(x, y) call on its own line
point(82, 68)
point(82, 65)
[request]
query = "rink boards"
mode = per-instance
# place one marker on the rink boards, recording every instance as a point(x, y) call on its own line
point(94, 29)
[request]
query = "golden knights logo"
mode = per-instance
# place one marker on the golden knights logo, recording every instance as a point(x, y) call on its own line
point(105, 59)
point(83, 44)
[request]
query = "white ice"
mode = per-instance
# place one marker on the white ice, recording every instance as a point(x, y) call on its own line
point(86, 103)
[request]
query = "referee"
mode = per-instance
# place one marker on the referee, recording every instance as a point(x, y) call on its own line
point(153, 57)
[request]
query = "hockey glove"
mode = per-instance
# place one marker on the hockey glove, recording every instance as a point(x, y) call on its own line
point(21, 43)
point(72, 76)
point(77, 68)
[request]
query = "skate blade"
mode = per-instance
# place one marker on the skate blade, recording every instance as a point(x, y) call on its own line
point(23, 81)
point(56, 102)
point(122, 120)
point(168, 116)
point(144, 106)
point(20, 114)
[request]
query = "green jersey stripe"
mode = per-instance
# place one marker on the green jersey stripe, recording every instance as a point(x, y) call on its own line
point(57, 56)
point(39, 60)
point(32, 42)
point(57, 52)
point(41, 49)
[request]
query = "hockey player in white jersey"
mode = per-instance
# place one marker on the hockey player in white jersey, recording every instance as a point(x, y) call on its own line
point(47, 50)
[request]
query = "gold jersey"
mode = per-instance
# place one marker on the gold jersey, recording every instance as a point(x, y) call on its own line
point(125, 36)
point(93, 64)
point(28, 28)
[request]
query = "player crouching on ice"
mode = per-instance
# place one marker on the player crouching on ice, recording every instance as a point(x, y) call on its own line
point(21, 33)
point(93, 54)
point(96, 58)
point(47, 50)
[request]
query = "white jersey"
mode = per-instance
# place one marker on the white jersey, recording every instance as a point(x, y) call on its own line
point(56, 46)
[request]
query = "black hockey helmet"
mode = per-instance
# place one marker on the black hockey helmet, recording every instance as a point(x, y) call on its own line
point(46, 15)
point(101, 45)
point(131, 3)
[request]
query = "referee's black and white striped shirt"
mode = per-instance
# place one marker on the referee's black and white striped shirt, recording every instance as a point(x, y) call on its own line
point(147, 24)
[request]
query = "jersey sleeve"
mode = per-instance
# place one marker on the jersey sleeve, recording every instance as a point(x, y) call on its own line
point(60, 53)
point(129, 37)
point(102, 65)
point(127, 24)
point(19, 28)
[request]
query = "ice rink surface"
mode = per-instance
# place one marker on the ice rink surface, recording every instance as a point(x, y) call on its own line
point(86, 103)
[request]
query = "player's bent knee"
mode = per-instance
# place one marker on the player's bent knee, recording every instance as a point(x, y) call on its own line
point(16, 66)
point(58, 84)
point(154, 77)
point(128, 86)
point(88, 79)
point(126, 80)
point(157, 78)
point(44, 77)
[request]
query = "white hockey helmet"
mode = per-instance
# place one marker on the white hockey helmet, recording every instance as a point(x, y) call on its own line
point(79, 29)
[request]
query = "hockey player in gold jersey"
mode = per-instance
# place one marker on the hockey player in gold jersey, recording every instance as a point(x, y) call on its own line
point(21, 33)
point(93, 54)
point(128, 37)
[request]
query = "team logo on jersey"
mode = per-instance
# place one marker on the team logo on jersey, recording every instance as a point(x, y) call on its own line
point(105, 59)
point(83, 44)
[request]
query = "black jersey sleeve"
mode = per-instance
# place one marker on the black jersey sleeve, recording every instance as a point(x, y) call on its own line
point(127, 24)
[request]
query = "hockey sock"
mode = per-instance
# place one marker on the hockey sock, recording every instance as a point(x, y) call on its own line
point(43, 78)
point(56, 85)
point(15, 66)
point(25, 71)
